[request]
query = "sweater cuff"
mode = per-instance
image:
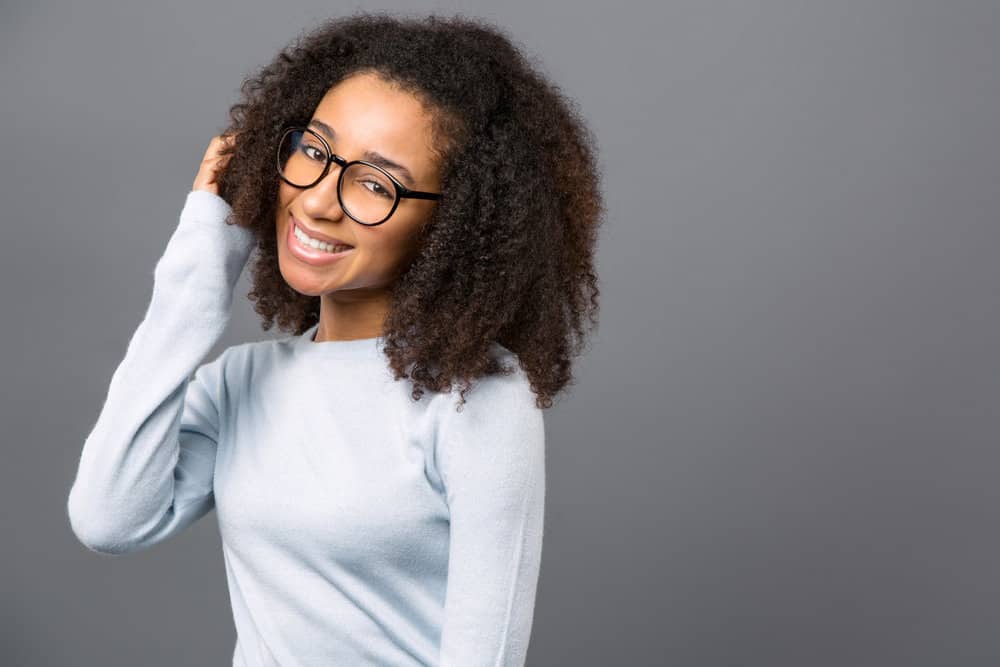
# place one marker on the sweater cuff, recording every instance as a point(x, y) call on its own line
point(208, 211)
point(205, 204)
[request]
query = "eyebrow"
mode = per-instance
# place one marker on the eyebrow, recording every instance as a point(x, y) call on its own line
point(370, 156)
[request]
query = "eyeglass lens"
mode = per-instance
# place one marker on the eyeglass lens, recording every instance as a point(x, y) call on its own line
point(366, 193)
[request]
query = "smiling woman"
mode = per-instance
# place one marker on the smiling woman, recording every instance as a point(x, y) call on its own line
point(356, 204)
point(424, 206)
point(505, 255)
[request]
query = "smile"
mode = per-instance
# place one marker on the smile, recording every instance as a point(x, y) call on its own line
point(313, 251)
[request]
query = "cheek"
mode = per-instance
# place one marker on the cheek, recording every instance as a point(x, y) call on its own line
point(386, 254)
point(397, 241)
point(286, 194)
point(280, 226)
point(404, 252)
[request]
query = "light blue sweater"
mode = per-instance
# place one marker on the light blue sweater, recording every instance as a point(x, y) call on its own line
point(358, 527)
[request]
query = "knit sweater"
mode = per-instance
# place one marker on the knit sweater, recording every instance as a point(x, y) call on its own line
point(358, 526)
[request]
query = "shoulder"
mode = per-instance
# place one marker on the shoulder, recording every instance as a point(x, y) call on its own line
point(498, 408)
point(233, 366)
point(495, 445)
point(241, 352)
point(502, 394)
point(235, 355)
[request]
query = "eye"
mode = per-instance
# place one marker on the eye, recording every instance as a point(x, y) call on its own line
point(314, 153)
point(378, 189)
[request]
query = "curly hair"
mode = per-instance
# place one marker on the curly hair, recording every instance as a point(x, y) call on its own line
point(508, 253)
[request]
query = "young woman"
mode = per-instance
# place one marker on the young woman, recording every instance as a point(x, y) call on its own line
point(424, 206)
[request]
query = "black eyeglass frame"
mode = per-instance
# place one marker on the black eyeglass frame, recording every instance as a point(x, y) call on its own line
point(402, 192)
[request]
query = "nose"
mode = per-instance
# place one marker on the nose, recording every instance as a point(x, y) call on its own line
point(321, 200)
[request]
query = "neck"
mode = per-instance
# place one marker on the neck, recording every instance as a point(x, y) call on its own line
point(350, 316)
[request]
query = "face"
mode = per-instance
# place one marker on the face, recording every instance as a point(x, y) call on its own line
point(365, 114)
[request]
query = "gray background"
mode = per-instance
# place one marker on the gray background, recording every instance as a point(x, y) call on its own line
point(782, 445)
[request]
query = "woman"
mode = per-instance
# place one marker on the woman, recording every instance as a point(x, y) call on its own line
point(425, 207)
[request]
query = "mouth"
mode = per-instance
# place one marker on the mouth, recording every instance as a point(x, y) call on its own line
point(311, 250)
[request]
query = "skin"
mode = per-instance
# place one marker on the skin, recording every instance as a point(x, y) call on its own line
point(367, 113)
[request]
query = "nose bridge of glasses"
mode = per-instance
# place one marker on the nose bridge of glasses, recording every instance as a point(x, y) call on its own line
point(336, 159)
point(333, 170)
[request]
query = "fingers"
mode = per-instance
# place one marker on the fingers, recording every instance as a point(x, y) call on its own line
point(213, 162)
point(226, 140)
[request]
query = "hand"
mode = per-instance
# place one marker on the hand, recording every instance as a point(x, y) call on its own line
point(212, 163)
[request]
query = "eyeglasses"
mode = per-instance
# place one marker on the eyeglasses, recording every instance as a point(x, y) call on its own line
point(367, 193)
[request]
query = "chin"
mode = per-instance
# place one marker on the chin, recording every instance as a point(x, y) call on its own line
point(301, 279)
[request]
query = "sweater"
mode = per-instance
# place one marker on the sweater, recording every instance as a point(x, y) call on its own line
point(358, 526)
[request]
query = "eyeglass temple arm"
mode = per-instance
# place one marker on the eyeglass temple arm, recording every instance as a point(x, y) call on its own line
point(412, 194)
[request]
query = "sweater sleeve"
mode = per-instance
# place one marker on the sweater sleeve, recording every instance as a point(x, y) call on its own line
point(491, 457)
point(146, 469)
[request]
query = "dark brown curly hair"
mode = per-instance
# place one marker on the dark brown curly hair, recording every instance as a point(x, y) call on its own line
point(508, 254)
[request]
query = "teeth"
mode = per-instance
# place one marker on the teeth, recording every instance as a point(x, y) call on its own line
point(316, 243)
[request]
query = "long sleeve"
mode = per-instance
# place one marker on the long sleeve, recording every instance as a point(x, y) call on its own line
point(491, 457)
point(145, 472)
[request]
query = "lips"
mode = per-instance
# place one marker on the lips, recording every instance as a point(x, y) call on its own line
point(316, 235)
point(313, 256)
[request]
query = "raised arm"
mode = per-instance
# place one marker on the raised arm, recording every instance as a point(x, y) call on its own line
point(145, 472)
point(492, 461)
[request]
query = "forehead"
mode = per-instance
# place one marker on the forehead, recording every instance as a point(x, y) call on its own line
point(369, 113)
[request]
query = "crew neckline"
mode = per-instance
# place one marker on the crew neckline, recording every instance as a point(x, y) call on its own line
point(358, 348)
